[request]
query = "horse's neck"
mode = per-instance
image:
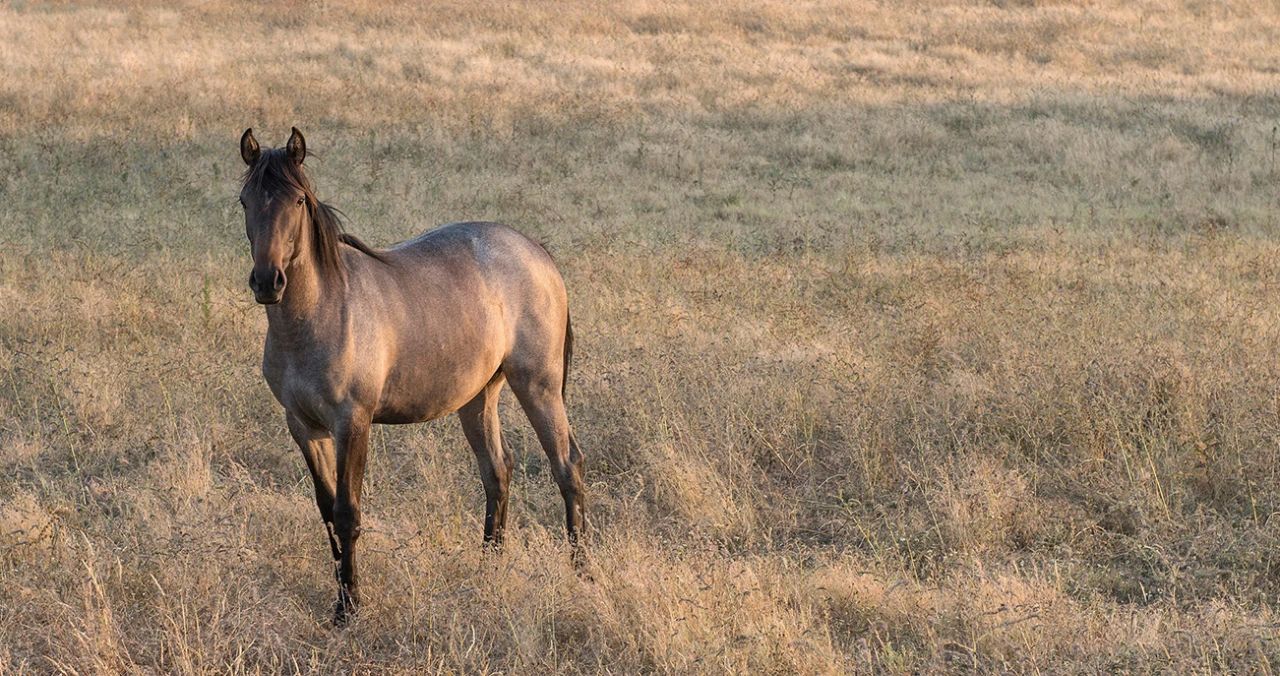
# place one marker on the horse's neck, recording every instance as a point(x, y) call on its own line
point(310, 299)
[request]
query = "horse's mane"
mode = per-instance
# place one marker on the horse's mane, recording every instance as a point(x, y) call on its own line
point(275, 171)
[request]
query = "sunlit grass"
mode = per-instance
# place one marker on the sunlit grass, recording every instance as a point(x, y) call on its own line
point(909, 337)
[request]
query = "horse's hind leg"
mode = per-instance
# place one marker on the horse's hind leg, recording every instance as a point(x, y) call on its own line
point(542, 399)
point(481, 425)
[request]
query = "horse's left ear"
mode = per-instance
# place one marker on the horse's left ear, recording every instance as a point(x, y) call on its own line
point(249, 149)
point(296, 147)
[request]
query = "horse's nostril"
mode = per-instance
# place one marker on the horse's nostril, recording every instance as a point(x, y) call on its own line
point(258, 281)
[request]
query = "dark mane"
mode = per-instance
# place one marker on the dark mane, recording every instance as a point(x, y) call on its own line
point(275, 171)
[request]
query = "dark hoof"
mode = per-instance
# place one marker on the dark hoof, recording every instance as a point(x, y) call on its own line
point(344, 611)
point(343, 614)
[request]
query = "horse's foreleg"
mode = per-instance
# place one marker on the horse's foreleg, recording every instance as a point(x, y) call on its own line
point(317, 448)
point(352, 437)
point(481, 425)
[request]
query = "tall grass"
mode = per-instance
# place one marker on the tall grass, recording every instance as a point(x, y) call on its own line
point(910, 337)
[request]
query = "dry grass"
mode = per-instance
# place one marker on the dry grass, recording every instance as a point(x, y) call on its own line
point(911, 337)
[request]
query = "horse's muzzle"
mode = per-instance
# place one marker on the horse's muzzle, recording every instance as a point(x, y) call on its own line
point(267, 285)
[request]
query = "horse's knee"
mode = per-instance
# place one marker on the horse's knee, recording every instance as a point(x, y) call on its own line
point(326, 509)
point(346, 522)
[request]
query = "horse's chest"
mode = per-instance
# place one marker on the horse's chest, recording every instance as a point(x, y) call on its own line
point(308, 388)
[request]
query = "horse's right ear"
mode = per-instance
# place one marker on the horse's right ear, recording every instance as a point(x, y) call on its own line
point(249, 150)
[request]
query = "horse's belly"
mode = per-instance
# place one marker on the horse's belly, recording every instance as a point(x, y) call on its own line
point(402, 414)
point(411, 399)
point(433, 368)
point(417, 410)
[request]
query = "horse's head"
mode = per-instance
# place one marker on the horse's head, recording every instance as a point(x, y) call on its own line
point(278, 206)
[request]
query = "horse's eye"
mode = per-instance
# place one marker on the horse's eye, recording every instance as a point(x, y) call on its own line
point(301, 200)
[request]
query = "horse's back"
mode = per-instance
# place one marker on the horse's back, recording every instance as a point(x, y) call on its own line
point(482, 238)
point(507, 261)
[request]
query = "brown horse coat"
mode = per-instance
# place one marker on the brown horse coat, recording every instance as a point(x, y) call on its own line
point(431, 326)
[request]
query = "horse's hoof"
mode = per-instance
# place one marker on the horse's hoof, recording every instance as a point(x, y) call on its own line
point(344, 610)
point(343, 614)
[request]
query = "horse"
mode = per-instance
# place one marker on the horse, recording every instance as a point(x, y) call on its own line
point(434, 325)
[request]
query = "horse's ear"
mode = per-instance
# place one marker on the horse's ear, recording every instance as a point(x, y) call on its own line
point(249, 150)
point(296, 147)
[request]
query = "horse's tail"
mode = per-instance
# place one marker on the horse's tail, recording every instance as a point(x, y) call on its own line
point(568, 354)
point(575, 455)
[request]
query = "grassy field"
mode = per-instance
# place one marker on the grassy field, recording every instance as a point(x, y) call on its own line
point(911, 337)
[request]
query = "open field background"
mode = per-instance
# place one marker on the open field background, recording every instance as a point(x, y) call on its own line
point(911, 336)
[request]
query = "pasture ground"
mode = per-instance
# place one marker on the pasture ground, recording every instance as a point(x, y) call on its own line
point(912, 336)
